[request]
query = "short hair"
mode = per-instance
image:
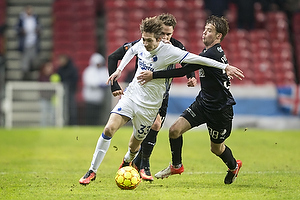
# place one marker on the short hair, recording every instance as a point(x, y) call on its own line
point(168, 19)
point(220, 23)
point(152, 25)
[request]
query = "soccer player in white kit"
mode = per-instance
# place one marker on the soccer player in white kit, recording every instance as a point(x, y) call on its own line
point(140, 103)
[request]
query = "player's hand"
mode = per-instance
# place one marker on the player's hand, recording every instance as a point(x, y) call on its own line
point(232, 71)
point(113, 77)
point(145, 77)
point(192, 82)
point(117, 93)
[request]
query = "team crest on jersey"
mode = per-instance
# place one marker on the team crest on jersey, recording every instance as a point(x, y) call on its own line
point(154, 58)
point(220, 49)
point(201, 73)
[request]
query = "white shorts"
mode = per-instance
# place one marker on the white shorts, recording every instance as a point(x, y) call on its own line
point(142, 118)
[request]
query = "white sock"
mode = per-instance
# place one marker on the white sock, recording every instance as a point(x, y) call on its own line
point(129, 156)
point(100, 151)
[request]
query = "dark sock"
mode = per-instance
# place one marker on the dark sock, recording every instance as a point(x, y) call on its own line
point(176, 150)
point(137, 160)
point(228, 158)
point(147, 148)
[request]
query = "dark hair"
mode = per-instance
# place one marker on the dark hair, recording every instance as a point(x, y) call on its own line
point(152, 25)
point(168, 19)
point(220, 23)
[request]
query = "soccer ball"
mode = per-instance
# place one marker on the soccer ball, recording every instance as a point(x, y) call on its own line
point(127, 178)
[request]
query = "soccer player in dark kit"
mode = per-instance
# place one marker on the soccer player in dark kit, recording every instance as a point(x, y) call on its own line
point(212, 106)
point(142, 160)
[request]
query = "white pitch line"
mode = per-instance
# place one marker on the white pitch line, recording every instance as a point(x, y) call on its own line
point(189, 173)
point(248, 172)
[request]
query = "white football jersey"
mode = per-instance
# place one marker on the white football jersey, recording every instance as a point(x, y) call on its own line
point(150, 95)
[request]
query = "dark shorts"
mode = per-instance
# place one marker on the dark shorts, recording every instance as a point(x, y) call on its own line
point(219, 123)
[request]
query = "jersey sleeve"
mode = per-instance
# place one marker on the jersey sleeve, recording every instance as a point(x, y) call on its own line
point(179, 72)
point(174, 55)
point(200, 60)
point(113, 60)
point(177, 43)
point(128, 56)
point(191, 74)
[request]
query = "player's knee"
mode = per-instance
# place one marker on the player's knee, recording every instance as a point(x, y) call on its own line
point(156, 126)
point(174, 132)
point(109, 131)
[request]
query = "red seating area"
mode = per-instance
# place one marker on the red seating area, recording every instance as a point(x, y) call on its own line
point(2, 22)
point(264, 54)
point(74, 31)
point(296, 32)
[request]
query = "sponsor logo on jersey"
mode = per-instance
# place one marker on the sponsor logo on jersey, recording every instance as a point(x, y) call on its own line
point(119, 109)
point(144, 66)
point(220, 49)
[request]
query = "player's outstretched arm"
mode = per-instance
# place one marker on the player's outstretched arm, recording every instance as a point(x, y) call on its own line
point(147, 76)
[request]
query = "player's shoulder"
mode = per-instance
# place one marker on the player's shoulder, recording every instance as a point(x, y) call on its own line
point(168, 48)
point(128, 45)
point(177, 43)
point(214, 51)
point(218, 49)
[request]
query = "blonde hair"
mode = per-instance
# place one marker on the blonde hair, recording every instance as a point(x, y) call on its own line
point(152, 25)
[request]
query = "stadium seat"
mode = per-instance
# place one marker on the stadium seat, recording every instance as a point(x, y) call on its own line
point(276, 16)
point(77, 40)
point(157, 4)
point(259, 45)
point(258, 34)
point(113, 5)
point(280, 36)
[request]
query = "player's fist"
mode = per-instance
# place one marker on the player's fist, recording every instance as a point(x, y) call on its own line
point(117, 93)
point(192, 82)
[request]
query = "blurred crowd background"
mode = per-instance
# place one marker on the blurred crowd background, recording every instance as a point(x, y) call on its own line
point(69, 41)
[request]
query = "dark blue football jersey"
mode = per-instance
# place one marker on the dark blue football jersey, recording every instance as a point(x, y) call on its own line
point(214, 93)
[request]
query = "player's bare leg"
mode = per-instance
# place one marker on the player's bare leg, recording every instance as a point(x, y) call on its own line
point(115, 121)
point(134, 146)
point(175, 137)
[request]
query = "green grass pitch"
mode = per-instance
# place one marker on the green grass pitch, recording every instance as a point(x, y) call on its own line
point(47, 164)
